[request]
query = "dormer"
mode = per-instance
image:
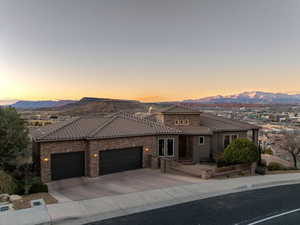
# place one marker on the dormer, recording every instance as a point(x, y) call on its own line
point(179, 116)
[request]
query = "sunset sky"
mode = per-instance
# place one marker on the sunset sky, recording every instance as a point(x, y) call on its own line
point(154, 50)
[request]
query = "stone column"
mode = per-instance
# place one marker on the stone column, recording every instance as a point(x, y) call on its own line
point(93, 159)
point(255, 136)
point(45, 165)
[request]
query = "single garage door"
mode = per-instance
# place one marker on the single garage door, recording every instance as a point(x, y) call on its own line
point(117, 160)
point(67, 165)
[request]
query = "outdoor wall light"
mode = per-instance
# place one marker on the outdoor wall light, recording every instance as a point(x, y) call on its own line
point(95, 155)
point(46, 159)
point(147, 149)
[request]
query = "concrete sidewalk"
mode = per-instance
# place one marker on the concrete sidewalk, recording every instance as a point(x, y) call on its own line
point(80, 212)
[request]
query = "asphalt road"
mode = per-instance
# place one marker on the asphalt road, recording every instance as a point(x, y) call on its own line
point(233, 209)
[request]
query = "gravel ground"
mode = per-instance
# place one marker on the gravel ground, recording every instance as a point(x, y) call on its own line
point(25, 201)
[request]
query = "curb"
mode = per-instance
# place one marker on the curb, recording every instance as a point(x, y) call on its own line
point(88, 211)
point(176, 201)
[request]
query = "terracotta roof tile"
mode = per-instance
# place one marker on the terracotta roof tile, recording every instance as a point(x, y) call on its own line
point(217, 123)
point(117, 125)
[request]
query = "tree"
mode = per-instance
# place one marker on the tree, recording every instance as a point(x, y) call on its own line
point(291, 143)
point(241, 150)
point(14, 138)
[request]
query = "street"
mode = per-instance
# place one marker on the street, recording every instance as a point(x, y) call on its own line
point(264, 207)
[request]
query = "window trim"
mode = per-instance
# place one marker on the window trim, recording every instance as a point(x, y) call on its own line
point(230, 138)
point(203, 140)
point(165, 150)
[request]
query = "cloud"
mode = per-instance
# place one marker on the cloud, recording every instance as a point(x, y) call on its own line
point(152, 99)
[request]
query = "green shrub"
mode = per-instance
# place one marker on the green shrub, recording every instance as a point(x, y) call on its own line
point(275, 166)
point(7, 183)
point(263, 163)
point(38, 187)
point(241, 151)
point(260, 170)
point(221, 161)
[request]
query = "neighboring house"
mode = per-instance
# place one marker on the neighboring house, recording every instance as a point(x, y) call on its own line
point(93, 146)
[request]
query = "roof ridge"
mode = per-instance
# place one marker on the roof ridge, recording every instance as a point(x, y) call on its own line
point(180, 106)
point(94, 132)
point(59, 128)
point(147, 121)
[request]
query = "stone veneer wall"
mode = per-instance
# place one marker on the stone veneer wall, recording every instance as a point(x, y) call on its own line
point(92, 149)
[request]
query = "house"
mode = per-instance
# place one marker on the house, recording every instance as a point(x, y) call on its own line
point(93, 146)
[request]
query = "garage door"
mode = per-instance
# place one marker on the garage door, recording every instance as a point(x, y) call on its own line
point(67, 165)
point(112, 161)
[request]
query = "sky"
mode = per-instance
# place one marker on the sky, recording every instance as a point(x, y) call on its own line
point(156, 50)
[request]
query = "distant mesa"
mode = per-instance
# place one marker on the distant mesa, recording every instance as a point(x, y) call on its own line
point(92, 99)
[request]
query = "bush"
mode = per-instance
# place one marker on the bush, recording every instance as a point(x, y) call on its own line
point(241, 151)
point(260, 170)
point(275, 166)
point(7, 183)
point(221, 161)
point(38, 187)
point(263, 163)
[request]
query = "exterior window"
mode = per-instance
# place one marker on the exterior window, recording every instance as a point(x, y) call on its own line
point(166, 147)
point(233, 137)
point(229, 138)
point(161, 147)
point(201, 140)
point(182, 122)
point(226, 141)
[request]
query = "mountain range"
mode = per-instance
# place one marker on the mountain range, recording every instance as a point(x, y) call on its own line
point(40, 104)
point(255, 97)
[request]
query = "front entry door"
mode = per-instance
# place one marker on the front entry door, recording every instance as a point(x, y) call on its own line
point(182, 147)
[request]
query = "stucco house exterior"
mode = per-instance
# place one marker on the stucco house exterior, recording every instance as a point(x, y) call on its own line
point(94, 146)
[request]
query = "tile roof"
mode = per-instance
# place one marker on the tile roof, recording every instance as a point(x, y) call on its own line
point(117, 125)
point(217, 123)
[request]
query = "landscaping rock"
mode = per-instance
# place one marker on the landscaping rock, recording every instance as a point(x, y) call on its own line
point(14, 197)
point(4, 197)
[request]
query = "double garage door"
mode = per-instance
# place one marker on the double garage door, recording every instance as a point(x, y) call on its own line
point(68, 165)
point(118, 160)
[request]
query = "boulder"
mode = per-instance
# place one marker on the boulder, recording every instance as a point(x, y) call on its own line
point(4, 197)
point(14, 198)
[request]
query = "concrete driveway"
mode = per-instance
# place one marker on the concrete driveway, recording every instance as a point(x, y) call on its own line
point(75, 189)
